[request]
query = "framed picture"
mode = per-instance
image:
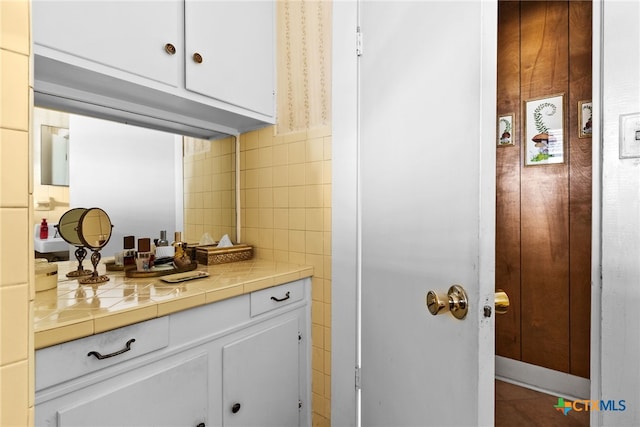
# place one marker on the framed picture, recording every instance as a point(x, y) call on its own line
point(544, 131)
point(585, 115)
point(505, 130)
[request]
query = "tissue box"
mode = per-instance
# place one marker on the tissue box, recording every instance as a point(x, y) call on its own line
point(211, 254)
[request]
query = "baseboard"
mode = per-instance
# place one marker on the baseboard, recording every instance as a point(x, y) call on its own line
point(542, 379)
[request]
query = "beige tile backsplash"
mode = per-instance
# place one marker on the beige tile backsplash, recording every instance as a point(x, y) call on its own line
point(286, 216)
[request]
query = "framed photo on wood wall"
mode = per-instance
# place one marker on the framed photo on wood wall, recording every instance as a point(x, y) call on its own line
point(585, 116)
point(544, 131)
point(505, 130)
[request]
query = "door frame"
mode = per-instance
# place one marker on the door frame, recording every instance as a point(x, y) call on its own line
point(344, 220)
point(596, 209)
point(345, 256)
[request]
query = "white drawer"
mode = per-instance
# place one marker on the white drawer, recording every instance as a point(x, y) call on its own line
point(73, 359)
point(276, 297)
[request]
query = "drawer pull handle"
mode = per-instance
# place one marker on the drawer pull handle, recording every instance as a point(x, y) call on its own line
point(286, 297)
point(100, 356)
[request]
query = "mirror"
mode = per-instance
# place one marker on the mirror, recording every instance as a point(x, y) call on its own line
point(147, 180)
point(68, 230)
point(94, 231)
point(94, 228)
point(54, 155)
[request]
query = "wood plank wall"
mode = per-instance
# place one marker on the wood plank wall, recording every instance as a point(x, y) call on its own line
point(543, 213)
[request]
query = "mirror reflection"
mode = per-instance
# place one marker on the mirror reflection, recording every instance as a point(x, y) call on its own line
point(146, 180)
point(68, 230)
point(94, 230)
point(54, 155)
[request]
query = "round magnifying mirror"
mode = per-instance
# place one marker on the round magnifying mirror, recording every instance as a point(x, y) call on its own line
point(68, 230)
point(94, 231)
point(94, 228)
point(68, 226)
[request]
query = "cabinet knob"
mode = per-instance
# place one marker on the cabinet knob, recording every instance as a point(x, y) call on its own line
point(235, 408)
point(197, 58)
point(201, 425)
point(170, 49)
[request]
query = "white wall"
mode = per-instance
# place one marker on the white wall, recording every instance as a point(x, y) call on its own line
point(130, 173)
point(620, 321)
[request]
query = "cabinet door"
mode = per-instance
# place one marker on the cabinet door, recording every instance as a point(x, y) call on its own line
point(174, 395)
point(127, 36)
point(235, 40)
point(260, 376)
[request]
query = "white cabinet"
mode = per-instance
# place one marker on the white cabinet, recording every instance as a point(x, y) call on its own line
point(197, 67)
point(127, 36)
point(213, 365)
point(172, 393)
point(260, 378)
point(234, 40)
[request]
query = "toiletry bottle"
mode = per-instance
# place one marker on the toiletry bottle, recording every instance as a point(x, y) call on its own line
point(180, 260)
point(143, 257)
point(44, 229)
point(129, 258)
point(163, 250)
point(162, 241)
point(177, 244)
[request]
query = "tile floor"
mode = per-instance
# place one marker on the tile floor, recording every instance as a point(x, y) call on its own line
point(522, 407)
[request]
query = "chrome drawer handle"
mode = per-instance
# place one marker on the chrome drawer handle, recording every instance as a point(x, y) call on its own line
point(286, 297)
point(106, 356)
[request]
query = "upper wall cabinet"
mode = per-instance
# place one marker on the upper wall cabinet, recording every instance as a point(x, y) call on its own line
point(230, 52)
point(198, 67)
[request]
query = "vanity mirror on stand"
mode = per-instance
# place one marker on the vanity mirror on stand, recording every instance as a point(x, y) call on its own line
point(94, 231)
point(68, 230)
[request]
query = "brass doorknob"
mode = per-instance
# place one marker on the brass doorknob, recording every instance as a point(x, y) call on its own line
point(501, 302)
point(454, 301)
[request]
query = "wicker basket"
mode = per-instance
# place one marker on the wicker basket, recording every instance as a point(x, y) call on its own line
point(212, 254)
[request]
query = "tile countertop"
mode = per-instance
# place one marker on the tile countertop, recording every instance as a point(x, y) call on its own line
point(75, 311)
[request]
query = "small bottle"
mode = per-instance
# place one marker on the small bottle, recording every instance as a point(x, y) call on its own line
point(44, 229)
point(129, 246)
point(163, 250)
point(180, 259)
point(144, 258)
point(162, 241)
point(177, 244)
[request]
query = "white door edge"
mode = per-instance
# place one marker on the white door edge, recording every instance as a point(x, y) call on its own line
point(344, 356)
point(596, 212)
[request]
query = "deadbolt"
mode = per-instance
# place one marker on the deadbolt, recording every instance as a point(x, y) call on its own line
point(455, 301)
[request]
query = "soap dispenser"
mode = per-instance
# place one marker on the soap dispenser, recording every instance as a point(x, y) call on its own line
point(44, 229)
